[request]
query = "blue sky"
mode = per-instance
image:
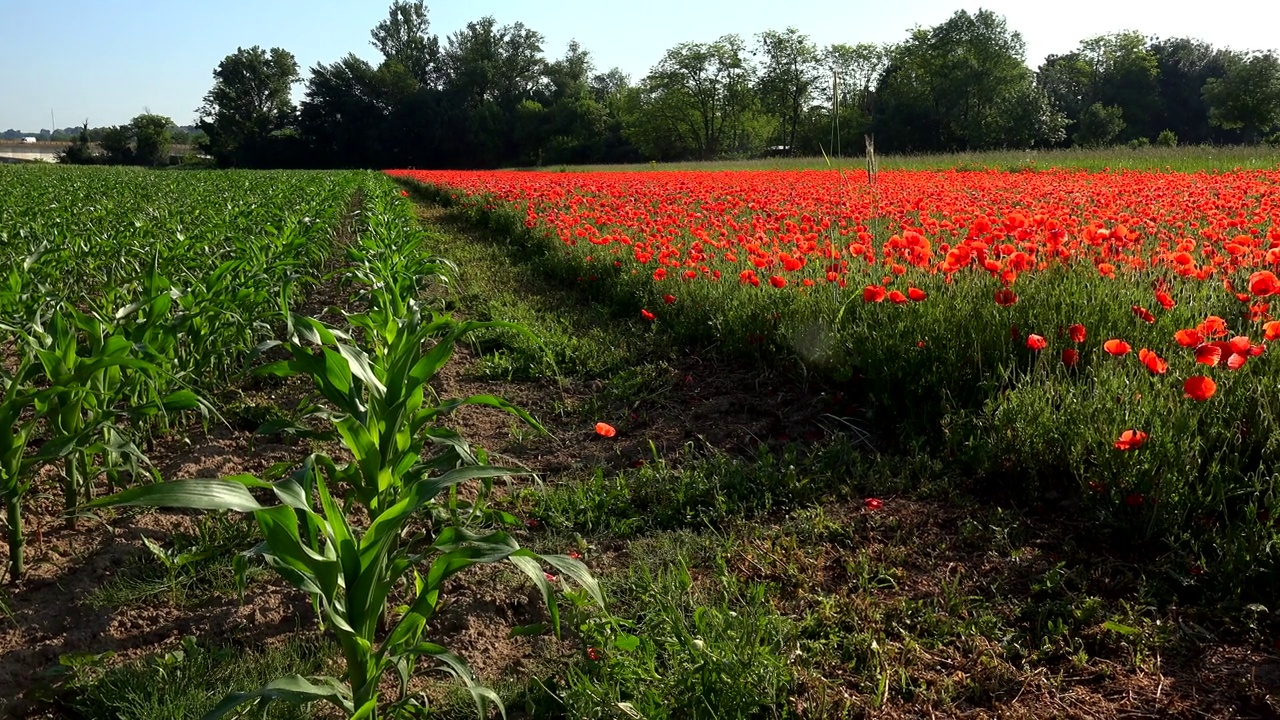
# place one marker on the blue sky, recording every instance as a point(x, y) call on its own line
point(108, 60)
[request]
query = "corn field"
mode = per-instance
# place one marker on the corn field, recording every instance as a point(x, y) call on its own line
point(130, 302)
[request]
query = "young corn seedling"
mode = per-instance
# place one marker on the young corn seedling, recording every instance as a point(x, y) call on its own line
point(402, 465)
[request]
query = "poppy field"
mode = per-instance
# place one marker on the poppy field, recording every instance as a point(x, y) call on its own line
point(1098, 340)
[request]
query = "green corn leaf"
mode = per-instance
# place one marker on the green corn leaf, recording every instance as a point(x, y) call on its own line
point(494, 402)
point(420, 492)
point(578, 571)
point(528, 563)
point(358, 366)
point(181, 400)
point(292, 689)
point(220, 494)
point(456, 666)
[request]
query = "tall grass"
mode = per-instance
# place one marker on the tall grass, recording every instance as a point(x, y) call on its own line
point(1187, 158)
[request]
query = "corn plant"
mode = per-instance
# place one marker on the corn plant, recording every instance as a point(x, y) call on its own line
point(66, 393)
point(376, 403)
point(18, 422)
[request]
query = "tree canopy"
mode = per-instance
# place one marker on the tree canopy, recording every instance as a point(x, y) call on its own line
point(488, 95)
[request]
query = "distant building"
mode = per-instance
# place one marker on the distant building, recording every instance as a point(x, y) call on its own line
point(28, 140)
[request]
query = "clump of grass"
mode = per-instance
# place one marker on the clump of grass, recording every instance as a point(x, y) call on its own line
point(184, 683)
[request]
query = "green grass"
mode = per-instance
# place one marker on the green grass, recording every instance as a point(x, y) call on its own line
point(1187, 158)
point(186, 568)
point(698, 489)
point(184, 683)
point(572, 337)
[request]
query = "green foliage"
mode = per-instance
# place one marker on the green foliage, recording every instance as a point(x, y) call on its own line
point(1166, 139)
point(961, 85)
point(694, 651)
point(1247, 97)
point(698, 102)
point(115, 142)
point(249, 103)
point(79, 152)
point(788, 75)
point(402, 38)
point(1098, 126)
point(181, 683)
point(487, 96)
point(152, 135)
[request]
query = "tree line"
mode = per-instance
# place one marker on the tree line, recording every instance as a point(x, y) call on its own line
point(487, 96)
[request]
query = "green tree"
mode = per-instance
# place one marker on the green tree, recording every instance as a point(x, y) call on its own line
point(79, 152)
point(957, 86)
point(1124, 73)
point(151, 138)
point(788, 75)
point(249, 105)
point(488, 72)
point(117, 143)
point(403, 37)
point(1247, 98)
point(697, 102)
point(1099, 125)
point(1067, 82)
point(575, 123)
point(1185, 66)
point(341, 117)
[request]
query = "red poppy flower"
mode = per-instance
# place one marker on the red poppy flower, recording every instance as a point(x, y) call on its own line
point(404, 193)
point(647, 315)
point(1077, 333)
point(1189, 338)
point(1264, 282)
point(1144, 314)
point(1208, 354)
point(1213, 326)
point(1199, 388)
point(1117, 347)
point(1005, 297)
point(1070, 357)
point(1272, 330)
point(873, 503)
point(668, 299)
point(1131, 440)
point(605, 430)
point(1036, 342)
point(1240, 344)
point(1134, 500)
point(897, 298)
point(1236, 361)
point(873, 294)
point(916, 294)
point(1153, 361)
point(777, 282)
point(1165, 300)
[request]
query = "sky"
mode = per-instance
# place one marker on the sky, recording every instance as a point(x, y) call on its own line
point(109, 60)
